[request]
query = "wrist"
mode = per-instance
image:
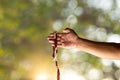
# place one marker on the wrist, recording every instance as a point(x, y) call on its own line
point(77, 42)
point(81, 43)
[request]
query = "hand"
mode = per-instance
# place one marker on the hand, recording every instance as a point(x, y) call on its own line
point(67, 39)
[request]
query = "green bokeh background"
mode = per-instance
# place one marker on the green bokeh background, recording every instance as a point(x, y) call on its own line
point(25, 25)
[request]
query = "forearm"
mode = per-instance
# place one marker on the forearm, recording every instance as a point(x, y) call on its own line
point(69, 39)
point(99, 49)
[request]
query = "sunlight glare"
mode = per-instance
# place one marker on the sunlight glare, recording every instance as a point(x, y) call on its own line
point(41, 77)
point(71, 75)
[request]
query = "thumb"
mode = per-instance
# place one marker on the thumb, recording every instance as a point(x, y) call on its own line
point(67, 30)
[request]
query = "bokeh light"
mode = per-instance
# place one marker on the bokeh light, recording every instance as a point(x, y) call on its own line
point(41, 77)
point(71, 75)
point(25, 53)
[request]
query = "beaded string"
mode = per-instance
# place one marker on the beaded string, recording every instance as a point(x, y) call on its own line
point(54, 55)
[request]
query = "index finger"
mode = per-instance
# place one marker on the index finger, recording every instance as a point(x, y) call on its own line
point(60, 34)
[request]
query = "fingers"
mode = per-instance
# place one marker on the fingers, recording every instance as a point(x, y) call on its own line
point(52, 36)
point(61, 37)
point(59, 43)
point(67, 30)
point(51, 39)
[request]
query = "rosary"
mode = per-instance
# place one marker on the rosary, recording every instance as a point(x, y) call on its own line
point(54, 55)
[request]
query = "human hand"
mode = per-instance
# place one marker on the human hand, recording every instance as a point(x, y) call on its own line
point(67, 39)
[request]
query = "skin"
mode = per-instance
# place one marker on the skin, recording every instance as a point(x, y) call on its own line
point(69, 39)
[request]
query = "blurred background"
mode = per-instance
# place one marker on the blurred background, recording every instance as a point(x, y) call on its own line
point(25, 53)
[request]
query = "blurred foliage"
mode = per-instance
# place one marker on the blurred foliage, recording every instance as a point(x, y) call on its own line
point(25, 25)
